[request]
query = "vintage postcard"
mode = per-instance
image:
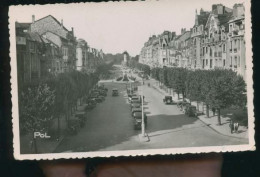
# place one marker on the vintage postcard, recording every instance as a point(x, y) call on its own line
point(131, 78)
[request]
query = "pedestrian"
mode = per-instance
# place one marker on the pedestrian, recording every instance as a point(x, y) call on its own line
point(236, 125)
point(231, 125)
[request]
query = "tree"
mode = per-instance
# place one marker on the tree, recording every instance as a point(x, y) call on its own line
point(194, 86)
point(227, 89)
point(36, 109)
point(180, 79)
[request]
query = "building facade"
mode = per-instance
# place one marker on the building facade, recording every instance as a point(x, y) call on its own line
point(55, 31)
point(215, 41)
point(45, 47)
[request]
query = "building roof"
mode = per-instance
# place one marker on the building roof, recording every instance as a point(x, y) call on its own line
point(22, 25)
point(33, 37)
point(224, 19)
point(46, 41)
point(54, 19)
point(202, 18)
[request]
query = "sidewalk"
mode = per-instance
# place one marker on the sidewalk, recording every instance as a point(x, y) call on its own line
point(48, 145)
point(43, 145)
point(212, 121)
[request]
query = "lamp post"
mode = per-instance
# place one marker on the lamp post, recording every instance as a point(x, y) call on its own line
point(142, 97)
point(143, 125)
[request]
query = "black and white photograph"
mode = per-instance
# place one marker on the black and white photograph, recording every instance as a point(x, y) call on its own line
point(131, 78)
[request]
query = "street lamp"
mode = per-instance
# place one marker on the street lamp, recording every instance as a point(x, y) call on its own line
point(143, 125)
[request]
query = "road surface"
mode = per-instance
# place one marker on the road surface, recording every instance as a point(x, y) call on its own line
point(109, 126)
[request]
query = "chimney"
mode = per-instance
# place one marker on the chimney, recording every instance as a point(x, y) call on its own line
point(72, 30)
point(33, 18)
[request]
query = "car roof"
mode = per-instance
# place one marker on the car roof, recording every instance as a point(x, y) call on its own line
point(137, 109)
point(138, 114)
point(133, 97)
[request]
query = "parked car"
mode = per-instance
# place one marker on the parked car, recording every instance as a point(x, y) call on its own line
point(115, 92)
point(101, 97)
point(138, 120)
point(139, 109)
point(74, 125)
point(103, 93)
point(180, 103)
point(98, 99)
point(135, 105)
point(168, 100)
point(136, 98)
point(130, 91)
point(184, 106)
point(81, 117)
point(190, 110)
point(91, 103)
point(130, 97)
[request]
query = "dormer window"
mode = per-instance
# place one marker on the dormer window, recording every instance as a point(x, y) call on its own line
point(230, 27)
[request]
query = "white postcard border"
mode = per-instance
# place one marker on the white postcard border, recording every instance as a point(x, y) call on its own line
point(207, 149)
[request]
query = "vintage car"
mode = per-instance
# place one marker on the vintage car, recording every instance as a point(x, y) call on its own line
point(190, 110)
point(136, 98)
point(130, 91)
point(98, 99)
point(180, 103)
point(115, 92)
point(81, 117)
point(168, 100)
point(103, 93)
point(135, 105)
point(130, 97)
point(138, 120)
point(73, 126)
point(184, 106)
point(101, 97)
point(136, 109)
point(91, 103)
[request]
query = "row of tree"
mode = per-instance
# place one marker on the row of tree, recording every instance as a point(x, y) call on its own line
point(217, 88)
point(40, 103)
point(142, 67)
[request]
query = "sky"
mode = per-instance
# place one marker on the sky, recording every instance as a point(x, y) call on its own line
point(116, 27)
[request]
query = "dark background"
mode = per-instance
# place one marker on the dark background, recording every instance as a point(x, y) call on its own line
point(234, 165)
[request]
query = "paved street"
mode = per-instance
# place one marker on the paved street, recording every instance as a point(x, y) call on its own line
point(109, 126)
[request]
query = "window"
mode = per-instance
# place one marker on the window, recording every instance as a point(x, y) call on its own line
point(230, 27)
point(65, 51)
point(224, 48)
point(224, 62)
point(230, 61)
point(210, 64)
point(235, 61)
point(238, 61)
point(238, 44)
point(31, 46)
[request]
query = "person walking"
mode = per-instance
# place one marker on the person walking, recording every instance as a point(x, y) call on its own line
point(231, 125)
point(236, 125)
